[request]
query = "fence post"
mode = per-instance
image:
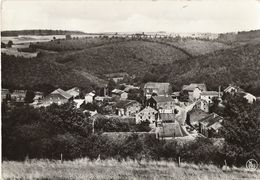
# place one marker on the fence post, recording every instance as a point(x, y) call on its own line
point(61, 158)
point(225, 161)
point(179, 161)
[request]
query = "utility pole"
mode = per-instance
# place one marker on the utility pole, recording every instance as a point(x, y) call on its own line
point(93, 126)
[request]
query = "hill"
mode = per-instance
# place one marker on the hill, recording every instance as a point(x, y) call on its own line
point(239, 65)
point(39, 32)
point(84, 67)
point(133, 57)
point(177, 60)
point(23, 73)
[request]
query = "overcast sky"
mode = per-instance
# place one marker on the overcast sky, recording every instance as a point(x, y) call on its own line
point(126, 16)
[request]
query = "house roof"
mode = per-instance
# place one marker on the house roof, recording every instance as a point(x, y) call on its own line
point(193, 86)
point(162, 98)
point(176, 94)
point(248, 95)
point(125, 103)
point(73, 91)
point(117, 91)
point(62, 93)
point(90, 94)
point(196, 114)
point(148, 109)
point(211, 119)
point(162, 87)
point(233, 86)
point(54, 97)
point(129, 87)
point(170, 130)
point(210, 93)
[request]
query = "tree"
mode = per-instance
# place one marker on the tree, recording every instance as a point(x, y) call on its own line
point(111, 85)
point(241, 129)
point(10, 43)
point(29, 96)
point(3, 45)
point(143, 126)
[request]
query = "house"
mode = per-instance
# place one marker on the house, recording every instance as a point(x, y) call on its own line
point(202, 105)
point(58, 96)
point(249, 97)
point(175, 95)
point(119, 94)
point(5, 93)
point(89, 97)
point(18, 95)
point(127, 107)
point(38, 96)
point(91, 113)
point(74, 92)
point(158, 88)
point(116, 76)
point(78, 102)
point(147, 113)
point(210, 124)
point(232, 89)
point(210, 95)
point(194, 90)
point(130, 87)
point(161, 102)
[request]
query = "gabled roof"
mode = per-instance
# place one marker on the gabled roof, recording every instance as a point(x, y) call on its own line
point(117, 91)
point(148, 109)
point(162, 98)
point(211, 119)
point(162, 87)
point(210, 93)
point(62, 93)
point(193, 86)
point(90, 94)
point(73, 90)
point(233, 86)
point(125, 103)
point(196, 114)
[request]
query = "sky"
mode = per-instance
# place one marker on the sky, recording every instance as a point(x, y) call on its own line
point(130, 16)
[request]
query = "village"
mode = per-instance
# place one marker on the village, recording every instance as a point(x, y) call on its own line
point(171, 115)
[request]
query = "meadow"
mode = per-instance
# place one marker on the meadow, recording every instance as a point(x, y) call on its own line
point(112, 169)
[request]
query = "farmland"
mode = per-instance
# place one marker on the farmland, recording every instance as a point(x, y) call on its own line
point(112, 169)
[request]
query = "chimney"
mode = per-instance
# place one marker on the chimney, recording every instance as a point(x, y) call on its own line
point(219, 91)
point(105, 91)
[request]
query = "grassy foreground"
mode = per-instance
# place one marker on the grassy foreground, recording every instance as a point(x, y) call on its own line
point(112, 169)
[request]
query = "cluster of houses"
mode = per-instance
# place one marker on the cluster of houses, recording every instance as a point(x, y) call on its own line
point(168, 116)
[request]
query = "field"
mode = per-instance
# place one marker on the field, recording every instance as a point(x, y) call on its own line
point(111, 169)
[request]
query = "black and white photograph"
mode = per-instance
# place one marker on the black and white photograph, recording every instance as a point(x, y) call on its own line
point(130, 90)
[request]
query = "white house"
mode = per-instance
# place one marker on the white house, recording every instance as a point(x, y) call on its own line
point(73, 91)
point(210, 95)
point(78, 102)
point(232, 89)
point(250, 98)
point(147, 113)
point(89, 98)
point(194, 90)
